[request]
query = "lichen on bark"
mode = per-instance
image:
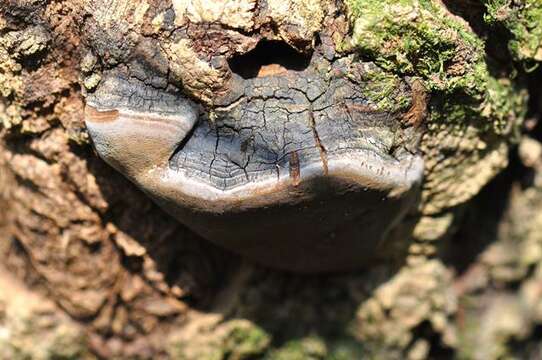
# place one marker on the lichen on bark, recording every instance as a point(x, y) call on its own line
point(31, 327)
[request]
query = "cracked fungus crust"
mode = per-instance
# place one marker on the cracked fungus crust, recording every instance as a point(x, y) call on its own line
point(286, 154)
point(259, 128)
point(291, 126)
point(294, 125)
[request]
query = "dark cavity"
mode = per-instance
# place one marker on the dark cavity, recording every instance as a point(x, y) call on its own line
point(268, 58)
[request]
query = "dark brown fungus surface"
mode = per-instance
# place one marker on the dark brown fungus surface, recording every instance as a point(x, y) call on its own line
point(294, 167)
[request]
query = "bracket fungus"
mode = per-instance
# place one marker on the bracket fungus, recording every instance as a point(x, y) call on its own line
point(296, 169)
point(275, 150)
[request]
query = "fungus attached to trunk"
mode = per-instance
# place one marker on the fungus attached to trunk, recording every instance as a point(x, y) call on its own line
point(292, 161)
point(297, 170)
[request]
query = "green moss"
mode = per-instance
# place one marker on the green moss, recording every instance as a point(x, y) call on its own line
point(28, 338)
point(418, 38)
point(316, 348)
point(414, 38)
point(233, 340)
point(383, 89)
point(245, 342)
point(499, 109)
point(506, 101)
point(524, 21)
point(309, 348)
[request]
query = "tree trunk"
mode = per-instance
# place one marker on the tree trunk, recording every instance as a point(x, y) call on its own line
point(101, 271)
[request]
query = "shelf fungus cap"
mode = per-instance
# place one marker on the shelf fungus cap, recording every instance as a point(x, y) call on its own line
point(294, 169)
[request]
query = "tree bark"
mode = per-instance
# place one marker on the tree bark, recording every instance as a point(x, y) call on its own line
point(115, 276)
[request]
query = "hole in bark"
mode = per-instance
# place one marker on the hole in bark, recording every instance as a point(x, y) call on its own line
point(269, 58)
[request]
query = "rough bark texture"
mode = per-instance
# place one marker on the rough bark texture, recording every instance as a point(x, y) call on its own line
point(108, 274)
